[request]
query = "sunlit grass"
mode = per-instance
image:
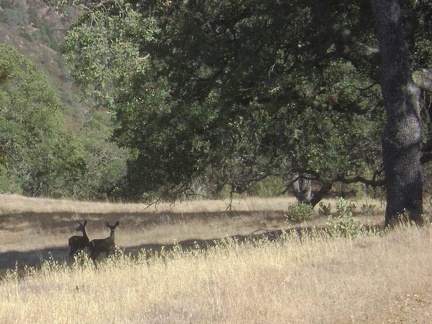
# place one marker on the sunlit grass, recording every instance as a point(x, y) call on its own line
point(20, 204)
point(318, 279)
point(35, 224)
point(12, 204)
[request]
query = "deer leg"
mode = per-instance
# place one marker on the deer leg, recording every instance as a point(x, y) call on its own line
point(94, 262)
point(94, 256)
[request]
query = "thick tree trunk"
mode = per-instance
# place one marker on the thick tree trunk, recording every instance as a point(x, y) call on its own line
point(401, 140)
point(321, 193)
point(302, 188)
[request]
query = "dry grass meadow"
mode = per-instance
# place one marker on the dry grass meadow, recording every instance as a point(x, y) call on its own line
point(302, 276)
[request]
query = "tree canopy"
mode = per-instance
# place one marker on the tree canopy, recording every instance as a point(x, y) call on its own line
point(231, 92)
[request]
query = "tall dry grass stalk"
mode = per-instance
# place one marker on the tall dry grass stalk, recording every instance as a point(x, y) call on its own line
point(372, 279)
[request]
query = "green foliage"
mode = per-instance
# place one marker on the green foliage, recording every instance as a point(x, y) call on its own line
point(26, 36)
point(105, 161)
point(324, 209)
point(16, 16)
point(55, 161)
point(199, 97)
point(300, 212)
point(39, 155)
point(268, 187)
point(343, 207)
point(229, 93)
point(5, 4)
point(28, 20)
point(44, 32)
point(343, 224)
point(8, 183)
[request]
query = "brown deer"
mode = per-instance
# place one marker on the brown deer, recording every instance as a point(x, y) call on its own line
point(105, 245)
point(78, 243)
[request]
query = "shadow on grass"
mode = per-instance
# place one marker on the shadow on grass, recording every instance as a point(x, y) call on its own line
point(19, 260)
point(34, 258)
point(65, 222)
point(267, 235)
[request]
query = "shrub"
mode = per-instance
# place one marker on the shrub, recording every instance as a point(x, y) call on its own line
point(345, 208)
point(324, 209)
point(343, 224)
point(368, 209)
point(300, 212)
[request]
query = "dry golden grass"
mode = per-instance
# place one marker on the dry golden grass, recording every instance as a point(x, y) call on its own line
point(371, 279)
point(31, 227)
point(14, 204)
point(31, 223)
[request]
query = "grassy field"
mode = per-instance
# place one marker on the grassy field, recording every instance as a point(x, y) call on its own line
point(310, 278)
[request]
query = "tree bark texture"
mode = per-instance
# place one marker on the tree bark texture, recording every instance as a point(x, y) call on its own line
point(302, 188)
point(402, 137)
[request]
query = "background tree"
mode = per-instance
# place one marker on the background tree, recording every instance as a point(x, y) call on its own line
point(105, 161)
point(38, 155)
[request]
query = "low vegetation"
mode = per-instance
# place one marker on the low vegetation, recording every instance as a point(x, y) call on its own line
point(305, 275)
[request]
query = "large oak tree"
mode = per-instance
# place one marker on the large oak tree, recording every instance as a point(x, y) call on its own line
point(402, 137)
point(234, 91)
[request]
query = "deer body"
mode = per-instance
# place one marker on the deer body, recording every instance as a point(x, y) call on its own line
point(78, 243)
point(106, 245)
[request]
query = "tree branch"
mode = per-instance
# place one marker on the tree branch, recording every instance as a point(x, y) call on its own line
point(370, 182)
point(423, 79)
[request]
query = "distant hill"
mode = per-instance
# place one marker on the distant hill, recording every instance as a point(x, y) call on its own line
point(38, 31)
point(96, 165)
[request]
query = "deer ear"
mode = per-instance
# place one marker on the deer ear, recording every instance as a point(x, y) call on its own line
point(107, 224)
point(85, 223)
point(117, 224)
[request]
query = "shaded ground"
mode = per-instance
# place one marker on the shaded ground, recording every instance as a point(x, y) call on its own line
point(36, 237)
point(28, 239)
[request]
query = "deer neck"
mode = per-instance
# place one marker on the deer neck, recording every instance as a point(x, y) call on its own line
point(111, 237)
point(85, 233)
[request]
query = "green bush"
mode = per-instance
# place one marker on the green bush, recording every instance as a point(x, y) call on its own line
point(368, 209)
point(269, 187)
point(343, 224)
point(324, 209)
point(300, 212)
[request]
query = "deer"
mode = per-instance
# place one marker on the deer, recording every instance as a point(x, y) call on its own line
point(105, 245)
point(78, 243)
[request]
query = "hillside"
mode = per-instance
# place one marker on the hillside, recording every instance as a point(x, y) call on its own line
point(79, 156)
point(37, 30)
